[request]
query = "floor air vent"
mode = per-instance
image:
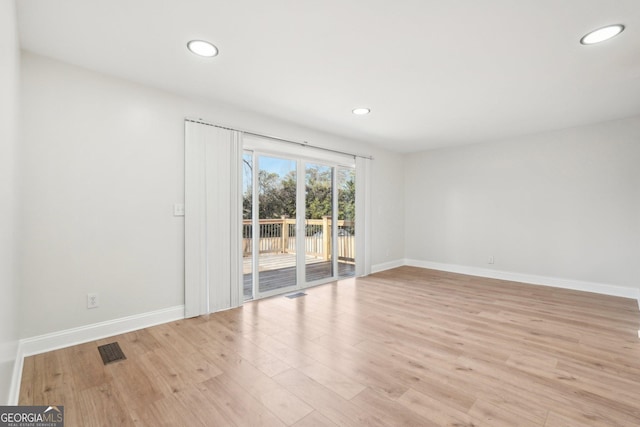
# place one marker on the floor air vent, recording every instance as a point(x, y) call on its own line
point(111, 353)
point(296, 295)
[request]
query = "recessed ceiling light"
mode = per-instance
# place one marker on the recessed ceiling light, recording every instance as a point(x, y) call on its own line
point(361, 111)
point(202, 48)
point(602, 34)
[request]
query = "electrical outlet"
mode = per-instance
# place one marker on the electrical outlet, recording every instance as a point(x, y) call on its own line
point(491, 259)
point(92, 301)
point(178, 209)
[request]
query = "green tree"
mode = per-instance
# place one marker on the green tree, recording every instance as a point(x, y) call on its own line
point(270, 201)
point(318, 192)
point(288, 194)
point(277, 195)
point(347, 198)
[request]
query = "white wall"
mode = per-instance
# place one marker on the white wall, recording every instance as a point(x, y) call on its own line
point(388, 222)
point(103, 165)
point(9, 76)
point(562, 204)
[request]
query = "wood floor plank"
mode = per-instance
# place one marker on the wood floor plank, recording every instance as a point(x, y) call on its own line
point(287, 354)
point(337, 409)
point(349, 361)
point(236, 404)
point(557, 420)
point(28, 380)
point(496, 416)
point(568, 416)
point(387, 411)
point(406, 346)
point(232, 338)
point(102, 405)
point(201, 407)
point(435, 410)
point(333, 380)
point(53, 384)
point(445, 384)
point(165, 412)
point(315, 419)
point(287, 407)
point(136, 383)
point(84, 358)
point(547, 392)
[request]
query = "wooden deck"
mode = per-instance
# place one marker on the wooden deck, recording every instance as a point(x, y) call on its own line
point(280, 272)
point(404, 347)
point(276, 261)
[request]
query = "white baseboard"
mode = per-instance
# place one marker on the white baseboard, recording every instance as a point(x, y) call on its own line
point(599, 288)
point(8, 352)
point(387, 265)
point(82, 334)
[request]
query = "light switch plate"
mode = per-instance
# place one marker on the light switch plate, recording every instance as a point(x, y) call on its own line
point(178, 209)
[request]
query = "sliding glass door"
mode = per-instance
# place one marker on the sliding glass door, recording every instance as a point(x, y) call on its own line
point(318, 215)
point(290, 237)
point(276, 248)
point(247, 225)
point(346, 224)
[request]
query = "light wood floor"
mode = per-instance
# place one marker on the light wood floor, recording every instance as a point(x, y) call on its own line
point(404, 347)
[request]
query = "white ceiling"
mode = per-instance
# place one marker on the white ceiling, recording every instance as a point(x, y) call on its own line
point(434, 73)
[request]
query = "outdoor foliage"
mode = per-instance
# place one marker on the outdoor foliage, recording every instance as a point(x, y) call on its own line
point(277, 195)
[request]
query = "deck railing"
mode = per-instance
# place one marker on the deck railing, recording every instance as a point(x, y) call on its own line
point(278, 236)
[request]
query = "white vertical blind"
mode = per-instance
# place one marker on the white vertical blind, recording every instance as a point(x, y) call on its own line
point(213, 276)
point(363, 216)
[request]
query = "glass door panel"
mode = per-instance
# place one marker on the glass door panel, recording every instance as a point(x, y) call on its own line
point(346, 239)
point(277, 266)
point(318, 222)
point(247, 224)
